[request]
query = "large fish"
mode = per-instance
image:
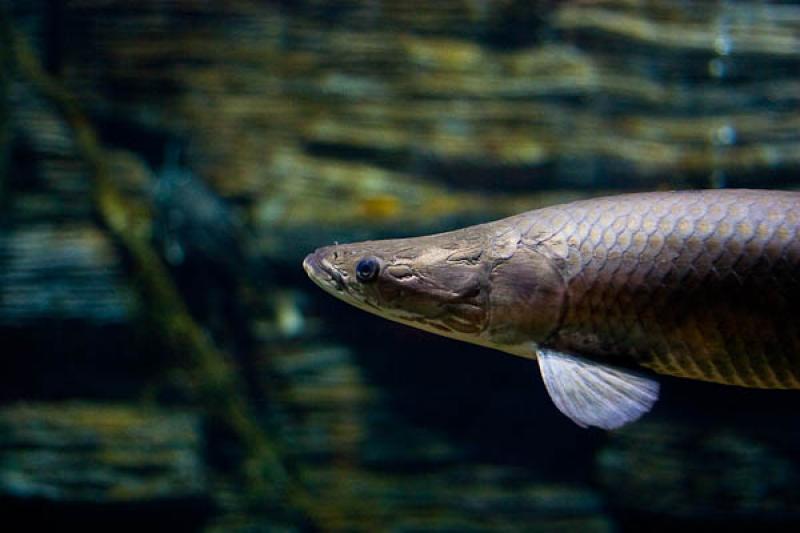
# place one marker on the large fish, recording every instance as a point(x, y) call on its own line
point(696, 284)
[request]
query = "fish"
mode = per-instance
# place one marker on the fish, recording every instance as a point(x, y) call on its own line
point(605, 293)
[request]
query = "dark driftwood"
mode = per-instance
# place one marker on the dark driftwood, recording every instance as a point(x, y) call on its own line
point(214, 380)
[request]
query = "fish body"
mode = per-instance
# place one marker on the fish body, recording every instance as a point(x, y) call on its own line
point(695, 284)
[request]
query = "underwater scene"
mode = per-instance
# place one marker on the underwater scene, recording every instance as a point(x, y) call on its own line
point(167, 167)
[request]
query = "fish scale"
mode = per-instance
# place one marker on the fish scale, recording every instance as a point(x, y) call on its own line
point(687, 283)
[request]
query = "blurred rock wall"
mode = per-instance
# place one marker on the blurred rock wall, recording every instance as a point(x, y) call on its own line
point(241, 134)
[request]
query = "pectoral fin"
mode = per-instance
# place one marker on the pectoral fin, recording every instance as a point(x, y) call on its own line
point(593, 394)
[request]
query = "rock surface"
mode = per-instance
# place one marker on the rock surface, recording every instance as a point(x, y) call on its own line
point(126, 461)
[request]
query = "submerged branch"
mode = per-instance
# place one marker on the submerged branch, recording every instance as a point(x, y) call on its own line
point(215, 381)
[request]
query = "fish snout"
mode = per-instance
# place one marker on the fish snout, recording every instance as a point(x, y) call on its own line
point(309, 264)
point(321, 271)
point(315, 263)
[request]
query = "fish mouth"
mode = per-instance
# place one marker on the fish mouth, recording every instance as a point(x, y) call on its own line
point(323, 273)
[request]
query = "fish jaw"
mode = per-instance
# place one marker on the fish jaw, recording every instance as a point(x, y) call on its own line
point(323, 273)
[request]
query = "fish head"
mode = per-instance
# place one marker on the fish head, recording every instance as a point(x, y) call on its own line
point(436, 282)
point(480, 284)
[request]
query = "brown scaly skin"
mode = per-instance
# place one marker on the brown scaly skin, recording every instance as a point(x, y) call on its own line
point(702, 284)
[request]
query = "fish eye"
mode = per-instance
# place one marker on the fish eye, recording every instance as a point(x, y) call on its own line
point(367, 269)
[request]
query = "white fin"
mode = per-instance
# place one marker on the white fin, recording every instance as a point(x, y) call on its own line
point(592, 394)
